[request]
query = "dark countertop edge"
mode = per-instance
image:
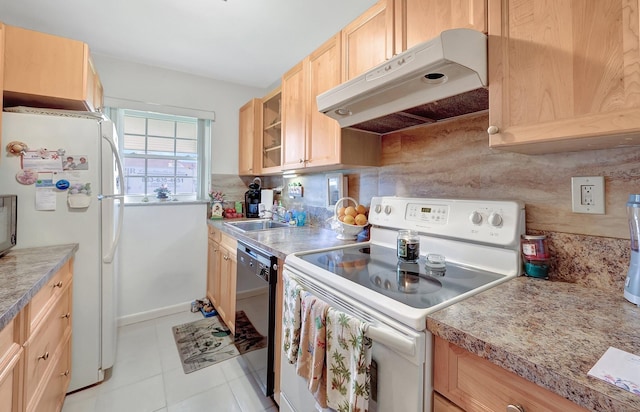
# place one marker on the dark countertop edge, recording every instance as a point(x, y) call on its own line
point(20, 304)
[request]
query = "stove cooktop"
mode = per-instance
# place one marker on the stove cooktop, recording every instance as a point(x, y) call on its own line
point(377, 268)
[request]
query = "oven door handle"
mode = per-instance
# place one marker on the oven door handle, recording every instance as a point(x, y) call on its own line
point(391, 339)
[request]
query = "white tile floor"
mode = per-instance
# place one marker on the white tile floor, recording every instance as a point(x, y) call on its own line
point(148, 377)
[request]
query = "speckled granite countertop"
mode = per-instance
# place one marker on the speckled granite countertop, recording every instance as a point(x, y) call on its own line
point(550, 333)
point(23, 272)
point(283, 241)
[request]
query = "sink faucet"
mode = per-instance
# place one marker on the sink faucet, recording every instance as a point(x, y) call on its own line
point(279, 213)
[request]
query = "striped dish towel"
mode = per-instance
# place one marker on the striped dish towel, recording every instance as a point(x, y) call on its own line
point(311, 357)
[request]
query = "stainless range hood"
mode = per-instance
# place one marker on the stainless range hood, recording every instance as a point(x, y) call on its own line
point(435, 80)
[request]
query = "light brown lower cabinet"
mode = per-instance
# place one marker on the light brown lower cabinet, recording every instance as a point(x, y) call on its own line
point(442, 404)
point(11, 360)
point(35, 349)
point(228, 268)
point(474, 384)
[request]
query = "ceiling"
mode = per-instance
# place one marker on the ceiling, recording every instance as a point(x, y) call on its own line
point(249, 42)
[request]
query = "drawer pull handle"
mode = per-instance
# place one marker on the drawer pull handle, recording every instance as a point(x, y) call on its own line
point(66, 315)
point(65, 373)
point(58, 285)
point(44, 357)
point(515, 408)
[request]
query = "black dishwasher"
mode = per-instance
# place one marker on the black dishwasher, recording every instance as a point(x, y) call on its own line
point(256, 297)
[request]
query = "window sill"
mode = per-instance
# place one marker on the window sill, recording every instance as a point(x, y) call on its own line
point(156, 202)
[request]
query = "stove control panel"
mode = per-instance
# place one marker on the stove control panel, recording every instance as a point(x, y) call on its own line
point(486, 221)
point(433, 213)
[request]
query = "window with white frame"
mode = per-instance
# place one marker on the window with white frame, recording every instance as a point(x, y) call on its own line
point(163, 151)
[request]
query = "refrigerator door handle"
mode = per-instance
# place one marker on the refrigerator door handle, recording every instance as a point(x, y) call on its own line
point(108, 258)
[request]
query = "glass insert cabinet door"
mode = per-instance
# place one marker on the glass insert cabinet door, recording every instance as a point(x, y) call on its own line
point(271, 132)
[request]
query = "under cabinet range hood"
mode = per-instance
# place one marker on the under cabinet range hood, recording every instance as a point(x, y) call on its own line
point(441, 78)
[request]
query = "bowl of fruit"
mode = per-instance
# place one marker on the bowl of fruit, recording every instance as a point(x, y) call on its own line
point(348, 219)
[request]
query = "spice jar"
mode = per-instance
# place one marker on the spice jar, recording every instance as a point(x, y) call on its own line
point(408, 246)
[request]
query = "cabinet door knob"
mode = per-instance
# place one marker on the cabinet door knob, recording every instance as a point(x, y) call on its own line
point(66, 315)
point(44, 357)
point(493, 130)
point(65, 373)
point(515, 408)
point(301, 161)
point(58, 285)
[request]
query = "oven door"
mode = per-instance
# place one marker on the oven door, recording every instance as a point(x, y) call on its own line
point(401, 378)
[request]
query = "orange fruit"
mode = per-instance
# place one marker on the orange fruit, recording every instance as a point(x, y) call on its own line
point(351, 211)
point(361, 220)
point(361, 209)
point(350, 220)
point(341, 211)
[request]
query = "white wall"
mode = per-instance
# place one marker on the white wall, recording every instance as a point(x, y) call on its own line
point(164, 247)
point(163, 259)
point(124, 80)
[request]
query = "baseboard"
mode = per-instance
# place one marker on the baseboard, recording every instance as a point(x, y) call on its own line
point(153, 314)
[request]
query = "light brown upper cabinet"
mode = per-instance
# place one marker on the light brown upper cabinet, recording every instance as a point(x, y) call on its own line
point(43, 70)
point(310, 139)
point(270, 147)
point(420, 20)
point(368, 40)
point(390, 27)
point(563, 75)
point(249, 134)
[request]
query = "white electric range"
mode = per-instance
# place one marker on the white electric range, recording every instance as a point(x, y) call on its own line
point(480, 240)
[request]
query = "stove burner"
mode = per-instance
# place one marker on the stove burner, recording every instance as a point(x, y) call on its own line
point(406, 280)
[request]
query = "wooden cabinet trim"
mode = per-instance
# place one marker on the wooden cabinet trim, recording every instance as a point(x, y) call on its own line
point(477, 385)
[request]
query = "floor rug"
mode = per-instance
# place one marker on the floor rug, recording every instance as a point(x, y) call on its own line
point(208, 341)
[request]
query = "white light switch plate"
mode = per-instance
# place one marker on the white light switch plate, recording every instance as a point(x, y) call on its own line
point(587, 194)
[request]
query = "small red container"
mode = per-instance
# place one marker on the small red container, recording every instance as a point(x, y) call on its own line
point(534, 247)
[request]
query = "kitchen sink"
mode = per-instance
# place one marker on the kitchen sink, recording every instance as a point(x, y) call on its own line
point(255, 225)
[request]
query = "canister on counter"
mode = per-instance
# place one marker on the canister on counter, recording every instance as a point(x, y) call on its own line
point(535, 256)
point(408, 246)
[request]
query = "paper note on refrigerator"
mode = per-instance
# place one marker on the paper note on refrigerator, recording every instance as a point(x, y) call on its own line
point(619, 368)
point(45, 193)
point(45, 199)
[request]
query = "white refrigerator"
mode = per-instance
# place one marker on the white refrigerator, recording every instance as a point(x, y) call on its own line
point(95, 227)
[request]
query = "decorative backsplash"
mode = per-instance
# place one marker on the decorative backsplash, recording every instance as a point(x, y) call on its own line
point(452, 159)
point(598, 262)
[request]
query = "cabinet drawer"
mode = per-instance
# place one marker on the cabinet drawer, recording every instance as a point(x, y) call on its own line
point(45, 341)
point(10, 379)
point(475, 384)
point(231, 244)
point(7, 340)
point(214, 234)
point(49, 292)
point(54, 389)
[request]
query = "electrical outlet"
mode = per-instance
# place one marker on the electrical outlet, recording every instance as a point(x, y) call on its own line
point(587, 194)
